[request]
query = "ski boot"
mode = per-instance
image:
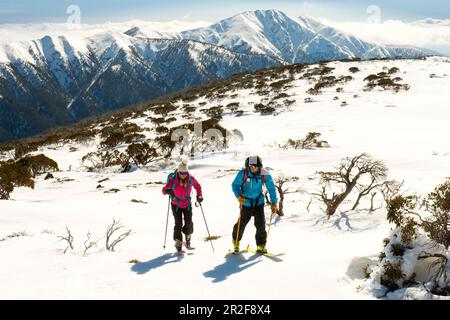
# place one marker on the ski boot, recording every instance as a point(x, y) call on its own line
point(261, 249)
point(178, 245)
point(188, 241)
point(236, 247)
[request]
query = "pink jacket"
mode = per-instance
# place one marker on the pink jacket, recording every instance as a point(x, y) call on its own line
point(182, 192)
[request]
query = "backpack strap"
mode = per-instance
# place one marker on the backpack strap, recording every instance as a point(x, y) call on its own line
point(244, 180)
point(264, 175)
point(174, 197)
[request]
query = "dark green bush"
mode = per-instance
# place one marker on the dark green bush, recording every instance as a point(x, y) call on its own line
point(38, 164)
point(142, 153)
point(14, 175)
point(263, 109)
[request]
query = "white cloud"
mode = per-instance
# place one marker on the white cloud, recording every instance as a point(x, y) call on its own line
point(431, 34)
point(21, 32)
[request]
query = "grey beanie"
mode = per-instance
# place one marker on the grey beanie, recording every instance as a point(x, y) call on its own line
point(183, 166)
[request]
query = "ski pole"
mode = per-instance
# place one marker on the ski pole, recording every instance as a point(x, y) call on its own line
point(209, 235)
point(270, 224)
point(167, 222)
point(236, 242)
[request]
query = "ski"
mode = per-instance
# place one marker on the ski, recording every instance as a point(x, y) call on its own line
point(183, 252)
point(236, 253)
point(267, 254)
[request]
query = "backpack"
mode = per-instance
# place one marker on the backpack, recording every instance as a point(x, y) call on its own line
point(244, 180)
point(263, 174)
point(173, 176)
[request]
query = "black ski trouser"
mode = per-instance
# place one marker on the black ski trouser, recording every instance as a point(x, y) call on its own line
point(260, 224)
point(179, 214)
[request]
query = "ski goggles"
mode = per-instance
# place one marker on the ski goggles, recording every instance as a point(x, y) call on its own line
point(183, 172)
point(254, 166)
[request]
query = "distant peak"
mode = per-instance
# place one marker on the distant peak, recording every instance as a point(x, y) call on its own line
point(264, 13)
point(270, 12)
point(133, 31)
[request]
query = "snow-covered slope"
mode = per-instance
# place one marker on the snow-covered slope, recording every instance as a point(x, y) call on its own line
point(323, 258)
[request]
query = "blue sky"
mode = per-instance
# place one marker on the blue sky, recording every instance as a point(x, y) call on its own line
point(97, 11)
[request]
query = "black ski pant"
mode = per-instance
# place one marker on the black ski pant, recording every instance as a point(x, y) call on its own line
point(179, 214)
point(260, 224)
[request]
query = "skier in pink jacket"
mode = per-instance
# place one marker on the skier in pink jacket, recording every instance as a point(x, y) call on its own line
point(178, 187)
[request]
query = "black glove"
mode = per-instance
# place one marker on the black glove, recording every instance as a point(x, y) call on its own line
point(169, 192)
point(199, 199)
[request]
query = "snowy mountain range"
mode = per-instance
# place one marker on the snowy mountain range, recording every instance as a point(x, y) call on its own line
point(55, 81)
point(295, 40)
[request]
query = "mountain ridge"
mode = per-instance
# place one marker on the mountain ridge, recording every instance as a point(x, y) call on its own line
point(54, 81)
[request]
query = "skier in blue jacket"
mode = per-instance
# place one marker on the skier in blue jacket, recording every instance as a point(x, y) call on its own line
point(248, 189)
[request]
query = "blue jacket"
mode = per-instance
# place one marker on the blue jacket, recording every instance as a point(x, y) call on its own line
point(252, 188)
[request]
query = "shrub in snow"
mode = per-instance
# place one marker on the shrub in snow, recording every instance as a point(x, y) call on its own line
point(282, 184)
point(383, 80)
point(314, 91)
point(416, 262)
point(263, 109)
point(393, 70)
point(161, 130)
point(157, 121)
point(362, 171)
point(165, 144)
point(188, 108)
point(100, 160)
point(214, 112)
point(171, 119)
point(112, 242)
point(80, 135)
point(68, 238)
point(318, 71)
point(15, 235)
point(21, 149)
point(88, 243)
point(38, 164)
point(288, 102)
point(309, 142)
point(280, 84)
point(308, 100)
point(437, 225)
point(281, 96)
point(141, 153)
point(164, 108)
point(233, 106)
point(49, 176)
point(416, 252)
point(125, 133)
point(390, 189)
point(353, 69)
point(14, 175)
point(118, 137)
